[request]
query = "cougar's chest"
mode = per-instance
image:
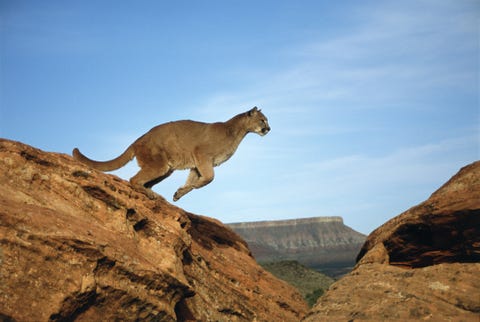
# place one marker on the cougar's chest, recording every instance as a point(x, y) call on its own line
point(219, 159)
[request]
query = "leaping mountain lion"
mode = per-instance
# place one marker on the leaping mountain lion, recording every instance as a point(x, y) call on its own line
point(183, 145)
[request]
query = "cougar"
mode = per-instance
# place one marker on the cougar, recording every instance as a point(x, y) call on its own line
point(183, 145)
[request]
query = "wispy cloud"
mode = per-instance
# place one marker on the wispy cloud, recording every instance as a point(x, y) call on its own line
point(395, 51)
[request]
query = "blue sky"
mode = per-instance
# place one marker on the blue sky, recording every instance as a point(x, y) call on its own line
point(373, 104)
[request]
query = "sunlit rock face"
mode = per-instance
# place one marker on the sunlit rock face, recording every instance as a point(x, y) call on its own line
point(421, 265)
point(78, 244)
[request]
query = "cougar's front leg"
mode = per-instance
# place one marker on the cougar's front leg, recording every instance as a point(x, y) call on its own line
point(200, 176)
point(188, 186)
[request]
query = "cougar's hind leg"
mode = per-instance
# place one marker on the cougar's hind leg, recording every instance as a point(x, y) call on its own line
point(152, 171)
point(143, 181)
point(153, 182)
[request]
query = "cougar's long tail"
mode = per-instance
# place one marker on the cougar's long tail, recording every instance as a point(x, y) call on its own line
point(105, 165)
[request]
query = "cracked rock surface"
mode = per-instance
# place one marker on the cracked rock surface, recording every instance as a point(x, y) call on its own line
point(78, 244)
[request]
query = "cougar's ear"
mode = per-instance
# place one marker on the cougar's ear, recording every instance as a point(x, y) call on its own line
point(253, 111)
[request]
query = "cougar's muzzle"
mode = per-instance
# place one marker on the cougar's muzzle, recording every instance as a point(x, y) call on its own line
point(265, 130)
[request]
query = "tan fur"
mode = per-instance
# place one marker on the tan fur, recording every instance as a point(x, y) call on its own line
point(183, 145)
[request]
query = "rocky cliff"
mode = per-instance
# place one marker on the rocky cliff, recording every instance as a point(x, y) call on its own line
point(78, 244)
point(422, 265)
point(317, 242)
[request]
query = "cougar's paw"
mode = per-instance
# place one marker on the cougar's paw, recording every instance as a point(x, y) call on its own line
point(180, 193)
point(177, 196)
point(148, 192)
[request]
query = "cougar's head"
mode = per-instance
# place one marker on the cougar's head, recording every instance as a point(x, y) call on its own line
point(257, 122)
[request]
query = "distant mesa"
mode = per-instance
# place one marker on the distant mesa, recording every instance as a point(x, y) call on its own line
point(323, 243)
point(288, 222)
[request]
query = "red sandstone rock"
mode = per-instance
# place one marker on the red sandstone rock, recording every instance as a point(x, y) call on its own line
point(422, 265)
point(78, 244)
